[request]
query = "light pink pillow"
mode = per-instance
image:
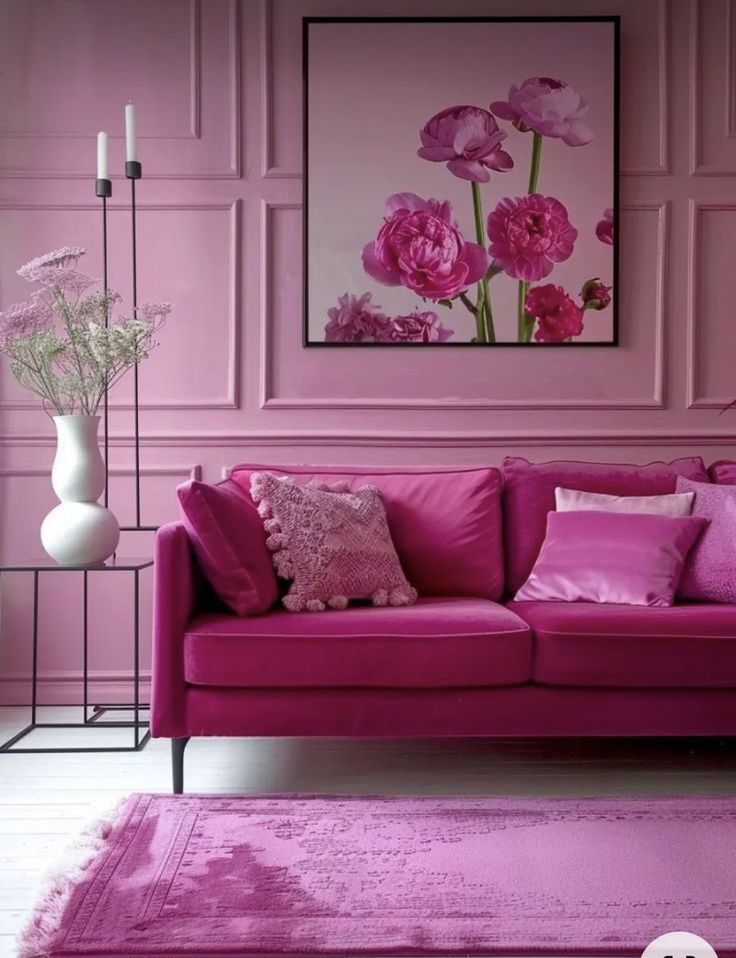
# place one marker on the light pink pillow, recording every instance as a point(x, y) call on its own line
point(623, 558)
point(710, 570)
point(333, 543)
point(573, 500)
point(228, 540)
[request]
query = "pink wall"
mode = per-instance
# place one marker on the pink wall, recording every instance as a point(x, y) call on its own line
point(217, 85)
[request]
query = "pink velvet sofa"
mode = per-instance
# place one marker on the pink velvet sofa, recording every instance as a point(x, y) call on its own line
point(466, 660)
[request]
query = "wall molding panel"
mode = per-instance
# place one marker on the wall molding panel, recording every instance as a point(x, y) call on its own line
point(198, 13)
point(231, 396)
point(268, 400)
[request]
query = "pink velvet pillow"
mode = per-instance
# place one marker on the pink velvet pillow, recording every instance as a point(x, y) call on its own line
point(445, 523)
point(529, 494)
point(617, 557)
point(229, 542)
point(710, 571)
point(333, 543)
point(723, 471)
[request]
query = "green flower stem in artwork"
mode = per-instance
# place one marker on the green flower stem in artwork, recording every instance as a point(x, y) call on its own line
point(484, 297)
point(525, 325)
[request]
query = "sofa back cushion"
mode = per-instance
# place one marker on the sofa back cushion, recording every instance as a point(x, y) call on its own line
point(529, 495)
point(229, 541)
point(445, 524)
point(723, 471)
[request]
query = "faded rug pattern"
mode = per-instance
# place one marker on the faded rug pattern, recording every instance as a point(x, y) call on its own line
point(338, 875)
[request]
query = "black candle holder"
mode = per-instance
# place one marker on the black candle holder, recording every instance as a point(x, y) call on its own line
point(133, 172)
point(103, 189)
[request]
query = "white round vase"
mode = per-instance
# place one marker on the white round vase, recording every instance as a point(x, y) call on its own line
point(79, 531)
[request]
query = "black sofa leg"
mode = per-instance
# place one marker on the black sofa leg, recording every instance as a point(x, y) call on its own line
point(177, 763)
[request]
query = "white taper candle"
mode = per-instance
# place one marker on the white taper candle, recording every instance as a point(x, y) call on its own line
point(102, 156)
point(130, 147)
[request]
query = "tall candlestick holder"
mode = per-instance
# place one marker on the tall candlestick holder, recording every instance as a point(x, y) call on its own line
point(103, 189)
point(133, 172)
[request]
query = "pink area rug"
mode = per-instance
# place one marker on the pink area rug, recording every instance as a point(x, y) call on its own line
point(206, 875)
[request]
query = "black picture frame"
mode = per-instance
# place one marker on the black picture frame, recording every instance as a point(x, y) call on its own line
point(615, 21)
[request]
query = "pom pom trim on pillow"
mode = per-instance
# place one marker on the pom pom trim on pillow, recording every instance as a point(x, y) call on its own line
point(395, 592)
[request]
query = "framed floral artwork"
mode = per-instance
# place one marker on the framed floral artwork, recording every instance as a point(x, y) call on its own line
point(461, 181)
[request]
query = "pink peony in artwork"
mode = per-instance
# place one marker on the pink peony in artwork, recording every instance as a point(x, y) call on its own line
point(595, 294)
point(604, 228)
point(546, 106)
point(354, 320)
point(421, 247)
point(418, 327)
point(558, 316)
point(529, 234)
point(468, 139)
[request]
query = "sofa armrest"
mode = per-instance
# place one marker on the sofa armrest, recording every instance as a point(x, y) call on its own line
point(177, 590)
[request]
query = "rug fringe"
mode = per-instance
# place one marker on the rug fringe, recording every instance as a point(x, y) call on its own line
point(36, 938)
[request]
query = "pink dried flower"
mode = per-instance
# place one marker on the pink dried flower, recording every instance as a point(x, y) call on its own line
point(57, 257)
point(61, 278)
point(604, 228)
point(546, 106)
point(420, 246)
point(416, 327)
point(22, 320)
point(354, 320)
point(468, 139)
point(529, 234)
point(595, 294)
point(558, 316)
point(154, 313)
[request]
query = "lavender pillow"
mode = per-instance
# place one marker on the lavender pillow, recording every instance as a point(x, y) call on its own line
point(572, 500)
point(227, 536)
point(333, 543)
point(622, 558)
point(710, 571)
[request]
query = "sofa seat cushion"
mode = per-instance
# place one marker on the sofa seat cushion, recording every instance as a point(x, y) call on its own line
point(437, 643)
point(588, 644)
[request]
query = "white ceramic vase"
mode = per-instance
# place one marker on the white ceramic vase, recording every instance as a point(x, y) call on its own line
point(79, 531)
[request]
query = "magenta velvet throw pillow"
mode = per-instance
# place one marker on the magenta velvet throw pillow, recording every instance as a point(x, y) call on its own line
point(229, 542)
point(529, 494)
point(333, 543)
point(710, 570)
point(617, 557)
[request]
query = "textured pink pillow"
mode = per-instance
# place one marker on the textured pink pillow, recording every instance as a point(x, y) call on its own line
point(572, 500)
point(529, 494)
point(618, 557)
point(229, 542)
point(710, 571)
point(445, 523)
point(333, 543)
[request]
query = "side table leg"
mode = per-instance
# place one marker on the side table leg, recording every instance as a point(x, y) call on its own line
point(34, 675)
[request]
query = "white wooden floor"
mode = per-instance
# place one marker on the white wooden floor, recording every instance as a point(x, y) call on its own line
point(46, 799)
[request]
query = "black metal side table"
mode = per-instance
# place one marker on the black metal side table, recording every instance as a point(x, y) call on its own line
point(93, 715)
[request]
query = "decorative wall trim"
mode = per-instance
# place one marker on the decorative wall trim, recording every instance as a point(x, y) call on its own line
point(269, 401)
point(662, 167)
point(269, 169)
point(694, 400)
point(231, 399)
point(408, 438)
point(195, 113)
point(697, 167)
